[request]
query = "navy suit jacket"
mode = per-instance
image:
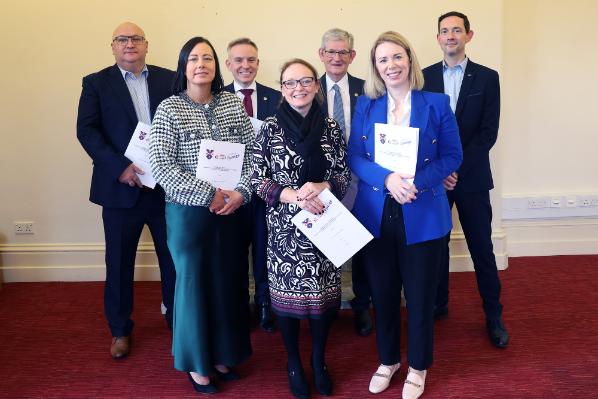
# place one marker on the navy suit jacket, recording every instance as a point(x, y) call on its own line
point(268, 99)
point(478, 114)
point(355, 90)
point(439, 153)
point(105, 123)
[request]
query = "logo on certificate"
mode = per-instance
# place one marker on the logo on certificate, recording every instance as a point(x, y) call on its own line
point(308, 223)
point(209, 153)
point(142, 135)
point(382, 138)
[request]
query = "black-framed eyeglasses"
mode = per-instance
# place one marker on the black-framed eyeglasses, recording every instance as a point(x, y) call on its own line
point(305, 82)
point(341, 53)
point(123, 40)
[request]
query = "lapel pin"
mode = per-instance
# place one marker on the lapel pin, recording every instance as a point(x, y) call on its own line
point(265, 98)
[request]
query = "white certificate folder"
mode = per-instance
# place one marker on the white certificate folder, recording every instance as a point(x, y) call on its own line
point(396, 148)
point(336, 233)
point(220, 163)
point(138, 153)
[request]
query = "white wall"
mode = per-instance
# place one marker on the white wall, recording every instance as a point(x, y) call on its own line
point(537, 47)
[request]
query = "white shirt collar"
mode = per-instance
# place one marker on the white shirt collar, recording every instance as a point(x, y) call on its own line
point(238, 87)
point(343, 82)
point(125, 73)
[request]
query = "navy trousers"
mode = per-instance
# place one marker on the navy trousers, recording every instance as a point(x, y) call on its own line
point(391, 264)
point(256, 233)
point(122, 230)
point(475, 215)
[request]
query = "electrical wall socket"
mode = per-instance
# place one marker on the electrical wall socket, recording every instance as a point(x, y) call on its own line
point(24, 228)
point(538, 203)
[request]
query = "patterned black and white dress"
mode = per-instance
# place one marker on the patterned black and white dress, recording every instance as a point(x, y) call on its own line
point(303, 282)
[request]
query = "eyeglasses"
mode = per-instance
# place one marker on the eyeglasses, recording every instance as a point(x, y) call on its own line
point(123, 40)
point(305, 82)
point(341, 53)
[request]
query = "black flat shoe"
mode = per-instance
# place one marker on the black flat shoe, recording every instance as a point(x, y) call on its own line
point(298, 384)
point(497, 333)
point(231, 375)
point(209, 388)
point(322, 379)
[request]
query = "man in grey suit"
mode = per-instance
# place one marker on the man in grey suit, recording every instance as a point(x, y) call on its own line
point(340, 91)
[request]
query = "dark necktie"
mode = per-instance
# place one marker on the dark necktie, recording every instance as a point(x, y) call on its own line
point(247, 103)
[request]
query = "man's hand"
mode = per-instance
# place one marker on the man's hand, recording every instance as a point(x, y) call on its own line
point(451, 181)
point(218, 202)
point(129, 176)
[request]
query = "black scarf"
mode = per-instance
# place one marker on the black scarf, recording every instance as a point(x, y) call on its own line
point(306, 133)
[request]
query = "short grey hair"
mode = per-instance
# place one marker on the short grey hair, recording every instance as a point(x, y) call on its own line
point(337, 34)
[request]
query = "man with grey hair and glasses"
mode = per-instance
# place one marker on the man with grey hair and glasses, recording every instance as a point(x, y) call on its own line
point(340, 91)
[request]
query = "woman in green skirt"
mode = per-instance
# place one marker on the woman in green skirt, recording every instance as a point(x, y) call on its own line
point(211, 325)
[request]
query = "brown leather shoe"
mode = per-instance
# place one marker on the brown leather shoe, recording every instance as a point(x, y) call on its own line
point(120, 347)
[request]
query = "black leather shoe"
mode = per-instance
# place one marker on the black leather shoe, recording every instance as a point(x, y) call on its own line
point(440, 312)
point(362, 322)
point(231, 375)
point(266, 318)
point(298, 384)
point(209, 388)
point(497, 333)
point(322, 379)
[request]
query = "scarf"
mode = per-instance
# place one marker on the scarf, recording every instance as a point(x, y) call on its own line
point(306, 133)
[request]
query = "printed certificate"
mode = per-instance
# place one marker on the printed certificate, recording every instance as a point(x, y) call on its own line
point(396, 148)
point(337, 233)
point(257, 124)
point(220, 163)
point(138, 153)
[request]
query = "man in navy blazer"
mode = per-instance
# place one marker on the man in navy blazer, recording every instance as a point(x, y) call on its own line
point(112, 102)
point(475, 99)
point(336, 53)
point(260, 102)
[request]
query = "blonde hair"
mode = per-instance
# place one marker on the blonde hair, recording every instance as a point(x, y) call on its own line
point(374, 85)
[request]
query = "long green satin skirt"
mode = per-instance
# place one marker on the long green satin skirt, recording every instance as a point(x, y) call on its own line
point(211, 320)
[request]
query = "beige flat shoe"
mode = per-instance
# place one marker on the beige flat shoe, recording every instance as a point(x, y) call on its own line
point(381, 378)
point(414, 385)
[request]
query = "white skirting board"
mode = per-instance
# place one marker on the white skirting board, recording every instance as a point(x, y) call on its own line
point(85, 262)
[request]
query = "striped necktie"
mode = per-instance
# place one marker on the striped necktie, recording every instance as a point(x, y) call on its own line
point(337, 111)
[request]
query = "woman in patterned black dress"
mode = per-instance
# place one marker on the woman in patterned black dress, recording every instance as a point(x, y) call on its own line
point(297, 154)
point(210, 330)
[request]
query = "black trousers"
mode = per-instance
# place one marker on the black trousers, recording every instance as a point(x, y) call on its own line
point(122, 230)
point(391, 264)
point(361, 288)
point(475, 215)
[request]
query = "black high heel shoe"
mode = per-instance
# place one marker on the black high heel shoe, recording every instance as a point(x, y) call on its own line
point(298, 384)
point(322, 379)
point(209, 388)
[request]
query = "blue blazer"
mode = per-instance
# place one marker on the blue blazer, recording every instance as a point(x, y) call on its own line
point(439, 154)
point(478, 114)
point(355, 89)
point(268, 99)
point(105, 123)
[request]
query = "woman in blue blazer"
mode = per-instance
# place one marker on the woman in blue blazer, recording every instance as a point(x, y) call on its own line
point(408, 220)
